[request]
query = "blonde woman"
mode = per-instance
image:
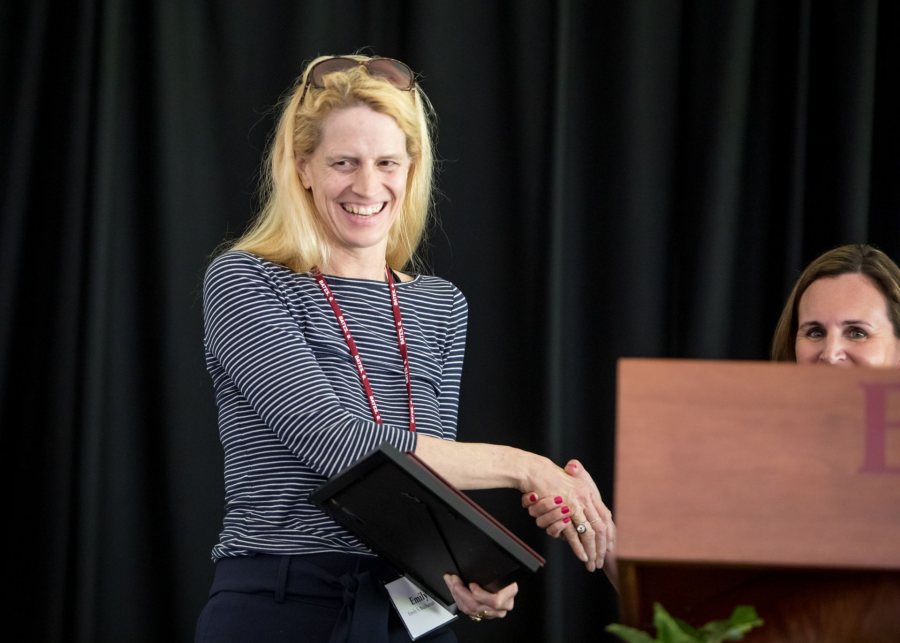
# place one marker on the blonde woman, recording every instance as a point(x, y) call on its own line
point(323, 340)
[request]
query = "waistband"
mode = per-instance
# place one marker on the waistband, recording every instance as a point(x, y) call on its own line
point(351, 583)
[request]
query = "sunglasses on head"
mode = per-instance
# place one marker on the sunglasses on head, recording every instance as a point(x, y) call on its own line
point(397, 73)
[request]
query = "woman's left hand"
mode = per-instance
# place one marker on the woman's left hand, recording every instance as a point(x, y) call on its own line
point(478, 603)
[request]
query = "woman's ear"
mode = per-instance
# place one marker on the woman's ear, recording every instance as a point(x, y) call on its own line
point(303, 172)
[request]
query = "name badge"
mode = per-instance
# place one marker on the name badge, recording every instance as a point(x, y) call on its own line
point(419, 612)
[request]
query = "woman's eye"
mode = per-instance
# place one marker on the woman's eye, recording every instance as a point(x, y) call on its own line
point(815, 333)
point(856, 333)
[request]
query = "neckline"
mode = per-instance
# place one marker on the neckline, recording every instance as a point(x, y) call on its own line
point(362, 280)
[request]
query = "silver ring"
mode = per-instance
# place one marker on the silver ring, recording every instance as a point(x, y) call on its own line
point(581, 528)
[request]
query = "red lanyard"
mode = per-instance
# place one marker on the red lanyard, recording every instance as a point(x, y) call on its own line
point(401, 343)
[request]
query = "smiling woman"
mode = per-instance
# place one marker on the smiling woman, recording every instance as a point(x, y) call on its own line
point(843, 321)
point(324, 133)
point(357, 176)
point(844, 310)
point(324, 340)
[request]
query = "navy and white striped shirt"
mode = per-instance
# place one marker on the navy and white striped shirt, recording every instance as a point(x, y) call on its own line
point(292, 410)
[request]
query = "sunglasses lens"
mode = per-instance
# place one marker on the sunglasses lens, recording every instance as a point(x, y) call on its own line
point(393, 71)
point(330, 66)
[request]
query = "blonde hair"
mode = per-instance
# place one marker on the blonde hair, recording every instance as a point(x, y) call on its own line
point(288, 229)
point(855, 258)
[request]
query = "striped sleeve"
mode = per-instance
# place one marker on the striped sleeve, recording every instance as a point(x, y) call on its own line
point(453, 355)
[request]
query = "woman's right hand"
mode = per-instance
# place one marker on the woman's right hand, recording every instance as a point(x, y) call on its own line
point(469, 465)
point(578, 502)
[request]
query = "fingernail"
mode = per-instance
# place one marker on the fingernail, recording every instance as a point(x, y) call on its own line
point(574, 466)
point(566, 519)
point(558, 500)
point(533, 497)
point(565, 510)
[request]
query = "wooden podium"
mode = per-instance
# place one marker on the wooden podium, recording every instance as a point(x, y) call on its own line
point(772, 485)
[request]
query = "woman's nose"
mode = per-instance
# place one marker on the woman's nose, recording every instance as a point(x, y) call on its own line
point(833, 350)
point(366, 181)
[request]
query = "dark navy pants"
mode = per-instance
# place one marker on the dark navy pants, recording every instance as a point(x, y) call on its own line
point(327, 598)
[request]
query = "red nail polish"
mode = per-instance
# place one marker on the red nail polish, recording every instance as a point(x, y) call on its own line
point(558, 500)
point(533, 498)
point(565, 510)
point(566, 519)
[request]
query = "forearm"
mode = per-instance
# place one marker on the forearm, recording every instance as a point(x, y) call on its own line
point(472, 465)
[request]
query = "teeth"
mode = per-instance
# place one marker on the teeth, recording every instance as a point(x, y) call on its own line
point(363, 211)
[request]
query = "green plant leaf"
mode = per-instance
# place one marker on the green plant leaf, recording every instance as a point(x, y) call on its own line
point(674, 630)
point(629, 634)
point(667, 628)
point(743, 619)
point(688, 629)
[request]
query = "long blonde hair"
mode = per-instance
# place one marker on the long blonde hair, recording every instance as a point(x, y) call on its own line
point(288, 229)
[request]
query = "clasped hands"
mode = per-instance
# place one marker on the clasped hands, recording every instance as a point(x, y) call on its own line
point(562, 500)
point(570, 507)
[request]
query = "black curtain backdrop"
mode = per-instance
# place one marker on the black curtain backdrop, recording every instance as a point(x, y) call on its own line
point(619, 178)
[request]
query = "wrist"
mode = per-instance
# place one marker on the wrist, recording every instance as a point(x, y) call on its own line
point(534, 472)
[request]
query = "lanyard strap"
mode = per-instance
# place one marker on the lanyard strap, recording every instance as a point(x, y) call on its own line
point(354, 351)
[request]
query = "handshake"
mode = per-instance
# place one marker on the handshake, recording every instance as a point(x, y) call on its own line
point(567, 504)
